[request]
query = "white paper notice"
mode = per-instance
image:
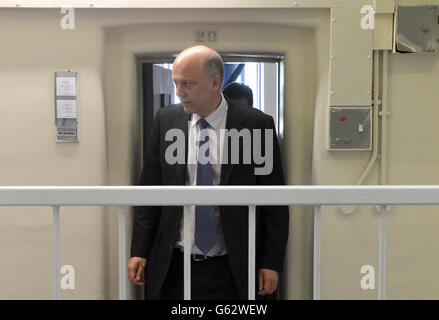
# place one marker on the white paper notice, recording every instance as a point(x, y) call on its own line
point(65, 86)
point(66, 108)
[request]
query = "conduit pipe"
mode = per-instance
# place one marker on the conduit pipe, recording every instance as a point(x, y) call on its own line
point(376, 104)
point(382, 252)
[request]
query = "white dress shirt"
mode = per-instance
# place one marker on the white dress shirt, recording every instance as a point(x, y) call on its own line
point(217, 124)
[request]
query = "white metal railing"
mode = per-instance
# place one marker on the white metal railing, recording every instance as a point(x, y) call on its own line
point(126, 196)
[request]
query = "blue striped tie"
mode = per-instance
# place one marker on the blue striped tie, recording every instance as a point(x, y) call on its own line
point(205, 234)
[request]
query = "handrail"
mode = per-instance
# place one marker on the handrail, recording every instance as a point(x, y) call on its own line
point(218, 195)
point(252, 196)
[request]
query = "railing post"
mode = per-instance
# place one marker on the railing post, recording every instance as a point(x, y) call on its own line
point(317, 247)
point(121, 210)
point(251, 251)
point(56, 254)
point(382, 252)
point(187, 252)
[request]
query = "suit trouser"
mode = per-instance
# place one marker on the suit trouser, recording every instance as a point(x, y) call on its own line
point(211, 279)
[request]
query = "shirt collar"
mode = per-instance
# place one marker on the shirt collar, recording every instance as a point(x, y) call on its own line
point(213, 119)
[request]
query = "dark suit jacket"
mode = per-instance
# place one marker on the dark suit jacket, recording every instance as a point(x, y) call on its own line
point(160, 225)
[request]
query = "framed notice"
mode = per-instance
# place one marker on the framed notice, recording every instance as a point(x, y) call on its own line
point(66, 106)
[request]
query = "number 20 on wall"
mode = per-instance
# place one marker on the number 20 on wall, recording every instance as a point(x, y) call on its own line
point(205, 36)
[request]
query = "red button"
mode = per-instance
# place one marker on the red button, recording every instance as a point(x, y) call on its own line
point(343, 118)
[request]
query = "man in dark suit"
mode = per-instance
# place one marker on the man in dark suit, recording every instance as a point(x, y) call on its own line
point(219, 243)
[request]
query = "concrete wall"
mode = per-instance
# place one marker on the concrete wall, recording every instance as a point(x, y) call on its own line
point(350, 241)
point(33, 47)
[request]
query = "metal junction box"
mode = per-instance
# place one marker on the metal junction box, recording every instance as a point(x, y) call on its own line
point(417, 29)
point(350, 128)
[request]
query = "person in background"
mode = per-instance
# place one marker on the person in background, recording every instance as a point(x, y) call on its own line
point(240, 93)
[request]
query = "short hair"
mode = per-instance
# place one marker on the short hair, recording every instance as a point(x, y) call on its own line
point(213, 65)
point(237, 90)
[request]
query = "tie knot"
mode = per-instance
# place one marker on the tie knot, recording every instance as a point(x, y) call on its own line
point(203, 123)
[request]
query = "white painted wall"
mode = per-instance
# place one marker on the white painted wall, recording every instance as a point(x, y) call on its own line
point(351, 241)
point(33, 47)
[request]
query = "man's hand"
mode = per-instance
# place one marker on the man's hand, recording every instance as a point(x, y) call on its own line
point(268, 280)
point(135, 267)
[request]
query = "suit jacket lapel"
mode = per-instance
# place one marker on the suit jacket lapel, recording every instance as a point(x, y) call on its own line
point(182, 124)
point(233, 121)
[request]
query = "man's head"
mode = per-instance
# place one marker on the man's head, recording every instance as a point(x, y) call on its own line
point(240, 93)
point(198, 74)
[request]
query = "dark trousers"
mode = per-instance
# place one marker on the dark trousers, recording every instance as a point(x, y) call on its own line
point(211, 279)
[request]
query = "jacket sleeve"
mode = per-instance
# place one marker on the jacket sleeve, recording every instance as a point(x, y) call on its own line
point(146, 219)
point(273, 220)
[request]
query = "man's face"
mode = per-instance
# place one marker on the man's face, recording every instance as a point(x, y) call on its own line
point(196, 90)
